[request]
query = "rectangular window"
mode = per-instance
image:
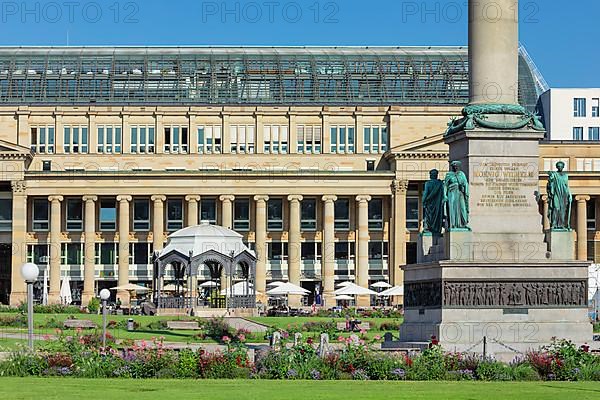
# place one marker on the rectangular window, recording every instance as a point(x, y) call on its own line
point(277, 251)
point(310, 251)
point(375, 139)
point(376, 214)
point(242, 139)
point(578, 133)
point(596, 108)
point(142, 139)
point(75, 139)
point(174, 214)
point(209, 139)
point(378, 250)
point(344, 250)
point(141, 215)
point(276, 139)
point(71, 254)
point(109, 139)
point(5, 213)
point(342, 139)
point(591, 214)
point(342, 215)
point(309, 139)
point(275, 215)
point(42, 139)
point(208, 210)
point(308, 215)
point(107, 254)
point(241, 215)
point(38, 253)
point(41, 215)
point(412, 213)
point(74, 217)
point(140, 253)
point(176, 140)
point(108, 215)
point(579, 105)
point(594, 133)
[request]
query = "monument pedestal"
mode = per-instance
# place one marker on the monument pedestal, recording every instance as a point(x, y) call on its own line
point(430, 248)
point(561, 244)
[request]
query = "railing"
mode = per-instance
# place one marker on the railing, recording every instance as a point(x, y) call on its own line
point(177, 302)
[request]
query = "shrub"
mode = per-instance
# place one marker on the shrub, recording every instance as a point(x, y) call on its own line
point(158, 325)
point(14, 321)
point(94, 305)
point(490, 370)
point(390, 326)
point(429, 365)
point(217, 328)
point(187, 364)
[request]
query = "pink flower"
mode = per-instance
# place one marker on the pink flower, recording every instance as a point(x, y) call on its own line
point(377, 337)
point(341, 339)
point(242, 337)
point(226, 339)
point(46, 337)
point(363, 331)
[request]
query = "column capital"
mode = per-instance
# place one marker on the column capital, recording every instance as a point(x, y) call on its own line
point(192, 198)
point(227, 197)
point(90, 198)
point(582, 198)
point(124, 198)
point(158, 198)
point(329, 198)
point(261, 198)
point(363, 198)
point(55, 198)
point(18, 186)
point(295, 197)
point(399, 186)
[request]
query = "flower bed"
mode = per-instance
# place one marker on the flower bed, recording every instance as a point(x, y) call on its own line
point(83, 356)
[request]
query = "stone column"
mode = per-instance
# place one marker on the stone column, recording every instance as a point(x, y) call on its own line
point(89, 263)
point(398, 244)
point(362, 261)
point(582, 227)
point(123, 246)
point(261, 242)
point(55, 234)
point(192, 209)
point(227, 211)
point(158, 230)
point(19, 241)
point(328, 250)
point(294, 261)
point(493, 51)
point(545, 209)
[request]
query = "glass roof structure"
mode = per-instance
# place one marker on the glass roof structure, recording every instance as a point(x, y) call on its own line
point(243, 76)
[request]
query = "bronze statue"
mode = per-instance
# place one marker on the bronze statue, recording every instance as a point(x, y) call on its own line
point(456, 194)
point(559, 198)
point(433, 204)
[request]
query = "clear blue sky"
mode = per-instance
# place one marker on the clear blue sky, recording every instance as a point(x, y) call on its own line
point(562, 37)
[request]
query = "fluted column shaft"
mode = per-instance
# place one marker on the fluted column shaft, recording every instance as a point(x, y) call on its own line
point(89, 263)
point(294, 261)
point(124, 246)
point(261, 242)
point(192, 210)
point(398, 250)
point(362, 265)
point(55, 233)
point(227, 211)
point(582, 227)
point(158, 230)
point(328, 256)
point(19, 241)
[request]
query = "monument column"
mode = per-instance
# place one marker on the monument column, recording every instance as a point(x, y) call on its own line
point(89, 263)
point(55, 233)
point(227, 211)
point(582, 226)
point(398, 249)
point(192, 209)
point(493, 51)
point(294, 261)
point(545, 208)
point(158, 230)
point(123, 278)
point(19, 241)
point(260, 245)
point(328, 252)
point(362, 267)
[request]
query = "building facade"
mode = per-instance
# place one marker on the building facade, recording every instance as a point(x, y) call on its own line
point(318, 156)
point(571, 114)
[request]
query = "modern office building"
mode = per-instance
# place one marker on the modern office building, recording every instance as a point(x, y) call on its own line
point(317, 156)
point(571, 114)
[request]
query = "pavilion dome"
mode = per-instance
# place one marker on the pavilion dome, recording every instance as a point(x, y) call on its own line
point(205, 237)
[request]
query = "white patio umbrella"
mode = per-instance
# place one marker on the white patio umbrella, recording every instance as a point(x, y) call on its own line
point(172, 288)
point(65, 292)
point(344, 297)
point(287, 289)
point(238, 289)
point(275, 284)
point(130, 287)
point(394, 291)
point(343, 284)
point(354, 290)
point(208, 284)
point(381, 285)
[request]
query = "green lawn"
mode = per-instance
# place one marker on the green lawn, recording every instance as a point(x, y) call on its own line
point(64, 388)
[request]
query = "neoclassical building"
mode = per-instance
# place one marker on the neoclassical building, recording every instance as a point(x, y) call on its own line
point(317, 156)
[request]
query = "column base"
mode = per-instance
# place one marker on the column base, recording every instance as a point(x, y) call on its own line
point(18, 298)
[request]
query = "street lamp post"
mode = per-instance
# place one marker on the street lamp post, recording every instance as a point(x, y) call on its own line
point(30, 274)
point(104, 296)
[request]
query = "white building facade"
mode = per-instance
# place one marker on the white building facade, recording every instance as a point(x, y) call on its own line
point(572, 114)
